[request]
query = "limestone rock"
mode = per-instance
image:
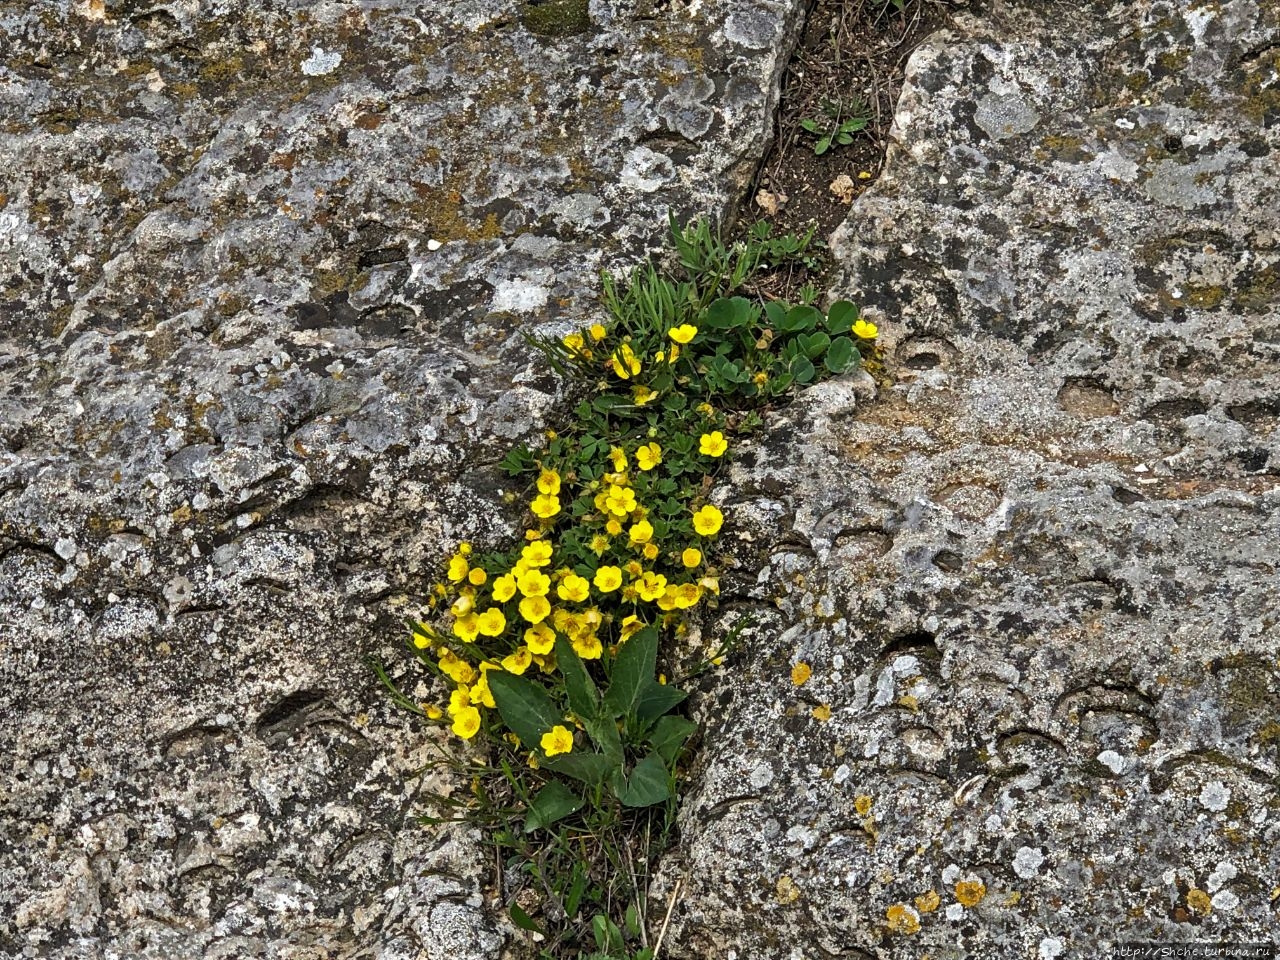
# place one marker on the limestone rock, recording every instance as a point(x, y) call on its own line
point(263, 268)
point(1035, 579)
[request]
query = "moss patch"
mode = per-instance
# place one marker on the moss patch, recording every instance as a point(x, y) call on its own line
point(556, 18)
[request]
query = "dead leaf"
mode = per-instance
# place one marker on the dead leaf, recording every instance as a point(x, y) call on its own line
point(844, 188)
point(771, 203)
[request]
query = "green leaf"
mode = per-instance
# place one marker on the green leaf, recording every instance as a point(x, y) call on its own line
point(814, 344)
point(524, 705)
point(603, 731)
point(656, 699)
point(802, 370)
point(669, 735)
point(648, 784)
point(841, 316)
point(636, 662)
point(608, 936)
point(591, 768)
point(553, 802)
point(574, 898)
point(800, 319)
point(728, 312)
point(822, 146)
point(810, 125)
point(524, 921)
point(632, 919)
point(840, 354)
point(775, 310)
point(584, 699)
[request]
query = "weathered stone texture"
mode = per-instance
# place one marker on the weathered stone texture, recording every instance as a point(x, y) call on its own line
point(1036, 579)
point(262, 268)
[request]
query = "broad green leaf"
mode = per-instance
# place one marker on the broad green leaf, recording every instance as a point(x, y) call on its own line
point(814, 344)
point(648, 784)
point(802, 370)
point(800, 319)
point(590, 768)
point(603, 731)
point(728, 312)
point(553, 802)
point(656, 699)
point(525, 707)
point(841, 353)
point(632, 919)
point(775, 310)
point(636, 662)
point(669, 735)
point(810, 125)
point(524, 921)
point(584, 699)
point(822, 146)
point(841, 317)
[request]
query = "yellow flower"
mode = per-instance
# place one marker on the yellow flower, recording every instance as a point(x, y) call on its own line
point(573, 341)
point(625, 363)
point(634, 567)
point(712, 444)
point(459, 700)
point(456, 669)
point(548, 482)
point(463, 605)
point(420, 639)
point(432, 711)
point(597, 331)
point(760, 378)
point(535, 609)
point(481, 695)
point(587, 647)
point(674, 354)
point(533, 583)
point(619, 458)
point(683, 333)
point(651, 586)
point(599, 544)
point(641, 532)
point(649, 456)
point(573, 588)
point(608, 579)
point(710, 584)
point(621, 500)
point(466, 628)
point(687, 595)
point(466, 722)
point(865, 330)
point(613, 527)
point(631, 625)
point(504, 588)
point(650, 551)
point(517, 662)
point(642, 395)
point(492, 622)
point(691, 557)
point(536, 554)
point(464, 548)
point(476, 577)
point(557, 740)
point(708, 520)
point(545, 505)
point(458, 567)
point(540, 639)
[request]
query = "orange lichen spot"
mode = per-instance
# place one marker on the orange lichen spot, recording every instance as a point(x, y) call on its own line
point(801, 673)
point(1199, 902)
point(970, 892)
point(863, 805)
point(822, 712)
point(928, 901)
point(786, 890)
point(902, 919)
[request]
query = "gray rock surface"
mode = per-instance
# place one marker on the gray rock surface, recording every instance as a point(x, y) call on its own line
point(262, 268)
point(1035, 580)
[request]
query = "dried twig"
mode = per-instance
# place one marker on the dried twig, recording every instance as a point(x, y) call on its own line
point(671, 905)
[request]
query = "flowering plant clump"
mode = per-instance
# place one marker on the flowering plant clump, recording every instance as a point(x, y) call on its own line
point(548, 650)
